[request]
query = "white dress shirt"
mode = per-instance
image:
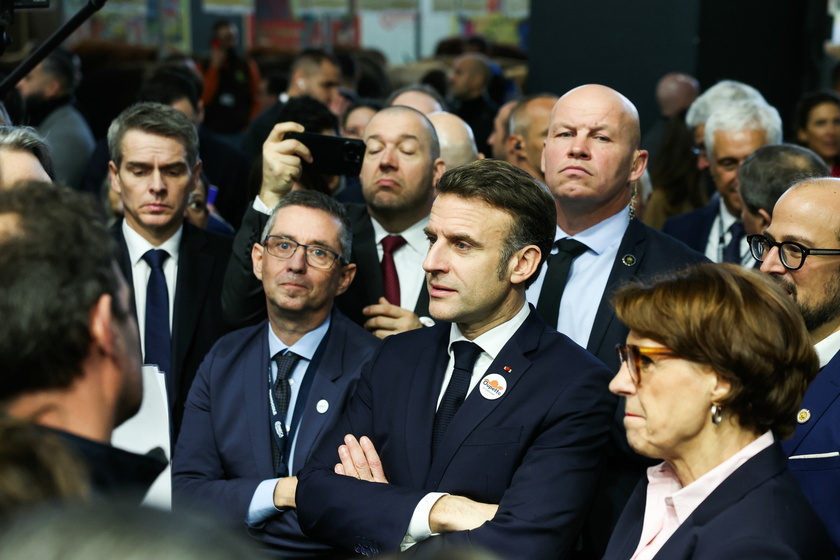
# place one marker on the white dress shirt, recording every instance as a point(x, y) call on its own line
point(408, 259)
point(140, 272)
point(827, 348)
point(720, 236)
point(491, 344)
point(588, 276)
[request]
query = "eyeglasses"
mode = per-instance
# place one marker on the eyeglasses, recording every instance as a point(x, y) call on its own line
point(791, 254)
point(316, 256)
point(699, 149)
point(632, 356)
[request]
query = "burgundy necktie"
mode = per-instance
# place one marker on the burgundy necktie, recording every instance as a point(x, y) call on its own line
point(390, 280)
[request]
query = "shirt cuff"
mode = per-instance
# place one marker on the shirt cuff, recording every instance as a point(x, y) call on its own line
point(418, 527)
point(261, 206)
point(262, 503)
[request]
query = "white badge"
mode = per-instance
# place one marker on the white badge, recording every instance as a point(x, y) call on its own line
point(278, 427)
point(493, 386)
point(322, 406)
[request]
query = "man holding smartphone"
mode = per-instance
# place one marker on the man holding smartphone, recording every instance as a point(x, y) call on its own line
point(401, 166)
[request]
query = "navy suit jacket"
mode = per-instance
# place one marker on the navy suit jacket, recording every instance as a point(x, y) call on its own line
point(643, 253)
point(197, 322)
point(535, 451)
point(693, 228)
point(225, 451)
point(819, 477)
point(757, 512)
point(243, 299)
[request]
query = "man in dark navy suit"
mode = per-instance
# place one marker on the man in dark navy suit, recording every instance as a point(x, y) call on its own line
point(591, 160)
point(486, 430)
point(177, 298)
point(245, 435)
point(806, 219)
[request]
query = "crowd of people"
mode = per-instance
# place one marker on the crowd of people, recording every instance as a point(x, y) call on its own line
point(484, 338)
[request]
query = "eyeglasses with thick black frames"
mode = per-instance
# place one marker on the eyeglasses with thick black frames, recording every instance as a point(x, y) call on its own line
point(316, 256)
point(632, 356)
point(791, 253)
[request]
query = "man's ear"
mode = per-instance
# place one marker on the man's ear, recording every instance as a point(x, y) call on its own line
point(100, 317)
point(439, 170)
point(515, 145)
point(765, 219)
point(257, 254)
point(348, 272)
point(640, 159)
point(114, 177)
point(524, 264)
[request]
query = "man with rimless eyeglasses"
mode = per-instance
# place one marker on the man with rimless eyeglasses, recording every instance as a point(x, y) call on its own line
point(266, 393)
point(801, 249)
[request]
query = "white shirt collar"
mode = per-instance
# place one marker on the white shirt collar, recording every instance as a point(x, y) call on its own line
point(414, 235)
point(305, 347)
point(138, 246)
point(602, 235)
point(495, 339)
point(828, 347)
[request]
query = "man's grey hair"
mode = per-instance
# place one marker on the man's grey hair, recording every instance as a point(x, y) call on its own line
point(317, 201)
point(744, 115)
point(722, 93)
point(771, 170)
point(157, 119)
point(27, 139)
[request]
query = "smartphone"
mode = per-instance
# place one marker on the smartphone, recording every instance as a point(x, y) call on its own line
point(331, 155)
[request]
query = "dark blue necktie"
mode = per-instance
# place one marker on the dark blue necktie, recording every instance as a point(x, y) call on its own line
point(732, 251)
point(158, 341)
point(466, 353)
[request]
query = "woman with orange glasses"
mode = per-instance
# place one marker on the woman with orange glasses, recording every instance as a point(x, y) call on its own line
point(713, 374)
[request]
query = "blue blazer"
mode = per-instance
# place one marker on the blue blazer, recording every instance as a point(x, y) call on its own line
point(225, 449)
point(535, 450)
point(693, 228)
point(757, 512)
point(819, 477)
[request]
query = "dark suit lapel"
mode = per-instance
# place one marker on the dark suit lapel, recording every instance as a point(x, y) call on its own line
point(124, 261)
point(194, 269)
point(422, 403)
point(824, 390)
point(367, 258)
point(768, 463)
point(255, 389)
point(326, 386)
point(476, 407)
point(709, 215)
point(422, 307)
point(628, 261)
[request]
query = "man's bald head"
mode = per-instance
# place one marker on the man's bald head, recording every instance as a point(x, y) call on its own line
point(457, 142)
point(591, 155)
point(676, 91)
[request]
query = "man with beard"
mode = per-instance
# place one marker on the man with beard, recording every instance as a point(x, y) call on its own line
point(801, 249)
point(401, 166)
point(231, 83)
point(48, 93)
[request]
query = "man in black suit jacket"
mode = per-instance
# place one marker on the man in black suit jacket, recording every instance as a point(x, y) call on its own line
point(399, 172)
point(224, 458)
point(591, 160)
point(510, 462)
point(154, 169)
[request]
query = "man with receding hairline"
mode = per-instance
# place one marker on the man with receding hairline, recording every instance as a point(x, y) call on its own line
point(528, 125)
point(401, 166)
point(457, 143)
point(591, 160)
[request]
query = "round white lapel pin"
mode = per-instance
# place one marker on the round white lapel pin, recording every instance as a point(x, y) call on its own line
point(492, 386)
point(322, 406)
point(803, 416)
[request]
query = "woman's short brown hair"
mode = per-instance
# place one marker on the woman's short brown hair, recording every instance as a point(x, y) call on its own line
point(739, 323)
